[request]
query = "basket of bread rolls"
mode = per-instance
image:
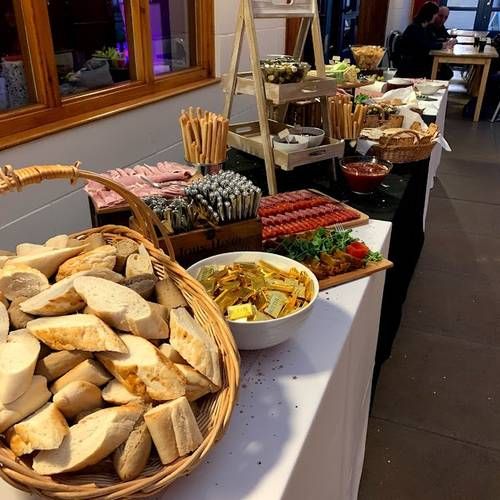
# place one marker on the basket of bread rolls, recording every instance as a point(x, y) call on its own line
point(117, 372)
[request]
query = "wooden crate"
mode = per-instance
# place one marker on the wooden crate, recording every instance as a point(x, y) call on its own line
point(283, 8)
point(206, 241)
point(247, 137)
point(283, 93)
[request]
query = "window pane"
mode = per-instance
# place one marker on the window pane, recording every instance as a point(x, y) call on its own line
point(14, 69)
point(90, 43)
point(461, 19)
point(494, 24)
point(172, 31)
point(462, 3)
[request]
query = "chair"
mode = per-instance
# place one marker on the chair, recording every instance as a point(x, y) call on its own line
point(495, 114)
point(393, 41)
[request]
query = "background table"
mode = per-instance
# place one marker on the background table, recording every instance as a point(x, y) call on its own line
point(299, 428)
point(468, 55)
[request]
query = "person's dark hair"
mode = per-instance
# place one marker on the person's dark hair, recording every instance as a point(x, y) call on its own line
point(426, 13)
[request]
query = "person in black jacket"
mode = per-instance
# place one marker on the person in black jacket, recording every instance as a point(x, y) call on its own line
point(416, 43)
point(438, 26)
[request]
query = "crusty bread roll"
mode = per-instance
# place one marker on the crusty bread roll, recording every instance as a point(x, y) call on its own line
point(89, 441)
point(44, 430)
point(168, 295)
point(76, 397)
point(100, 258)
point(169, 352)
point(124, 249)
point(116, 393)
point(197, 385)
point(36, 396)
point(121, 307)
point(18, 318)
point(144, 370)
point(21, 281)
point(18, 356)
point(48, 261)
point(89, 370)
point(58, 363)
point(174, 429)
point(84, 332)
point(131, 457)
point(195, 345)
point(138, 264)
point(4, 323)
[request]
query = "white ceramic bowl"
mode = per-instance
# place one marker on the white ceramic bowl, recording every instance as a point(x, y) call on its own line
point(301, 144)
point(427, 88)
point(261, 334)
point(314, 135)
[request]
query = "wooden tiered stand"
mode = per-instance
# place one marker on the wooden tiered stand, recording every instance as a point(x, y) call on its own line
point(255, 137)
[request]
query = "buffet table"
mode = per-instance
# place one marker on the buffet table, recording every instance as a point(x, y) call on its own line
point(299, 428)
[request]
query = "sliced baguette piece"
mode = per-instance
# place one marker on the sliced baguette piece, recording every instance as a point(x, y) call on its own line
point(116, 393)
point(144, 370)
point(174, 429)
point(84, 332)
point(169, 352)
point(4, 323)
point(48, 261)
point(195, 345)
point(29, 249)
point(143, 284)
point(89, 370)
point(58, 363)
point(124, 249)
point(7, 253)
point(131, 457)
point(138, 264)
point(197, 385)
point(59, 241)
point(18, 357)
point(93, 241)
point(76, 397)
point(44, 430)
point(3, 260)
point(35, 397)
point(90, 440)
point(21, 281)
point(18, 318)
point(168, 295)
point(100, 258)
point(121, 307)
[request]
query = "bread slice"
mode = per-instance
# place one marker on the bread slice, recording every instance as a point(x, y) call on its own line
point(116, 393)
point(84, 332)
point(131, 457)
point(197, 385)
point(195, 345)
point(89, 370)
point(24, 249)
point(59, 241)
point(18, 318)
point(138, 264)
point(44, 430)
point(144, 370)
point(35, 397)
point(174, 429)
point(169, 352)
point(143, 284)
point(21, 281)
point(4, 323)
point(76, 397)
point(168, 295)
point(100, 258)
point(49, 260)
point(4, 259)
point(18, 356)
point(121, 307)
point(58, 363)
point(93, 241)
point(89, 441)
point(124, 249)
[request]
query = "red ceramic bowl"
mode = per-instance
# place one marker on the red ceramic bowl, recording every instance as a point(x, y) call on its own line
point(364, 174)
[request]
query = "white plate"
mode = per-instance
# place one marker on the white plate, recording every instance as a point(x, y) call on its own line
point(399, 81)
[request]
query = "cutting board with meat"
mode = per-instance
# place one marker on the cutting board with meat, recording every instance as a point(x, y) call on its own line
point(305, 210)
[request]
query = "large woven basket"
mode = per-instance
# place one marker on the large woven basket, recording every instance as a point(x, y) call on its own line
point(402, 154)
point(215, 410)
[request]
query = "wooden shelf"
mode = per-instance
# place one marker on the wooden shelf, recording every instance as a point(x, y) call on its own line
point(273, 9)
point(247, 137)
point(284, 93)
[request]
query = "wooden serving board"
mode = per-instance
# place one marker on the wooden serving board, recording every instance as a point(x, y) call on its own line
point(340, 279)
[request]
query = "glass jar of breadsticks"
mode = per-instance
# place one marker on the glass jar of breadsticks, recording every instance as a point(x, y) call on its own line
point(204, 136)
point(347, 118)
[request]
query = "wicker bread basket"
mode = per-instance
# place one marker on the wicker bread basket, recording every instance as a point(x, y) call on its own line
point(396, 153)
point(215, 409)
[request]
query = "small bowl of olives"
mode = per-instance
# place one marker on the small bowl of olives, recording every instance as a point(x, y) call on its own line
point(284, 69)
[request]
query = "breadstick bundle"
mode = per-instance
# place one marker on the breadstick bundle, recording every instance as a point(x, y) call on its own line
point(346, 121)
point(204, 135)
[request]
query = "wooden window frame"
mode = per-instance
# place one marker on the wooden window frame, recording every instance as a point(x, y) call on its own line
point(53, 113)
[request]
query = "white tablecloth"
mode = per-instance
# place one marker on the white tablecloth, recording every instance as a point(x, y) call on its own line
point(300, 425)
